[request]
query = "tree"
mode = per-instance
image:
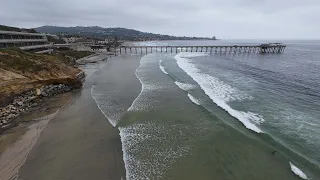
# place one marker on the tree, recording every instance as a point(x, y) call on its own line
point(32, 31)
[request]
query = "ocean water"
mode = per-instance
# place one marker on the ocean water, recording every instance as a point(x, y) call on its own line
point(223, 115)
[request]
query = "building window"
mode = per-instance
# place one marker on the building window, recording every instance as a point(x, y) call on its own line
point(2, 45)
point(5, 36)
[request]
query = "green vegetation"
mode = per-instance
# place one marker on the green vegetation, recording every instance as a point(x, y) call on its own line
point(70, 56)
point(16, 59)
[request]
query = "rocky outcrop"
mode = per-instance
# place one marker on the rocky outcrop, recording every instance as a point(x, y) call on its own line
point(26, 101)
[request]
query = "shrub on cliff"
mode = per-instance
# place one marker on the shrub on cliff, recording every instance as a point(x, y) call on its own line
point(26, 63)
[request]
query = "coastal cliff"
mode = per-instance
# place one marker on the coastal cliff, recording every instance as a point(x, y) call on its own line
point(23, 71)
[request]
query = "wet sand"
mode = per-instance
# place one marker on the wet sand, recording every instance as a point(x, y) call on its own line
point(79, 142)
point(16, 143)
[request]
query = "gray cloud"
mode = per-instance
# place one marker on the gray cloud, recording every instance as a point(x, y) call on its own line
point(264, 19)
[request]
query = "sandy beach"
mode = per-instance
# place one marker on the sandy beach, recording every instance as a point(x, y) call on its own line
point(78, 141)
point(17, 142)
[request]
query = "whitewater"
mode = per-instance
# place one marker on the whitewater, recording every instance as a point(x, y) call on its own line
point(219, 92)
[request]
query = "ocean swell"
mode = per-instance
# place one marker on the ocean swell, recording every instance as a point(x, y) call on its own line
point(152, 136)
point(219, 92)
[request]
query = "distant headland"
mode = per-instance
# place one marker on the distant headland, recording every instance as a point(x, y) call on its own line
point(122, 34)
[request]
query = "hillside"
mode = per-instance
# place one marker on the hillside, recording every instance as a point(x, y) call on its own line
point(121, 33)
point(20, 71)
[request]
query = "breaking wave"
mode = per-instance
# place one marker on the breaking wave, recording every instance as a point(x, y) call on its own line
point(162, 67)
point(194, 100)
point(297, 171)
point(184, 86)
point(219, 92)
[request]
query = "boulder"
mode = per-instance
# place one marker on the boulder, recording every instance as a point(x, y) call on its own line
point(20, 103)
point(43, 93)
point(38, 92)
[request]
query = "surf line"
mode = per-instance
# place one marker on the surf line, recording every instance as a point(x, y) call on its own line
point(297, 171)
point(162, 67)
point(184, 63)
point(113, 123)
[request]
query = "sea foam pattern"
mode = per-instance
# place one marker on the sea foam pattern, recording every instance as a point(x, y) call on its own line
point(184, 86)
point(219, 92)
point(151, 147)
point(162, 67)
point(297, 171)
point(194, 100)
point(112, 111)
point(149, 87)
point(138, 137)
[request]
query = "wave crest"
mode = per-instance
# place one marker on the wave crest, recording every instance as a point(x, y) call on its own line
point(219, 92)
point(297, 171)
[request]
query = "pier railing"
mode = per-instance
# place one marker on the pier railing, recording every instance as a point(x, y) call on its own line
point(262, 49)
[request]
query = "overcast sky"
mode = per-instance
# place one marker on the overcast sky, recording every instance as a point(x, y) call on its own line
point(254, 19)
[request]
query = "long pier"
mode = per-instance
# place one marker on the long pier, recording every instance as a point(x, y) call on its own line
point(261, 49)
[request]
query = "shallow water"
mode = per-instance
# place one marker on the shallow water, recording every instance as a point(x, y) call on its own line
point(220, 116)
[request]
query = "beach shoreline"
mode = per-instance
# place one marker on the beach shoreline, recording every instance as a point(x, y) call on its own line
point(77, 140)
point(25, 145)
point(17, 142)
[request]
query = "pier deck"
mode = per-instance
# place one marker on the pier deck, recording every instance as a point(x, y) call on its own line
point(262, 49)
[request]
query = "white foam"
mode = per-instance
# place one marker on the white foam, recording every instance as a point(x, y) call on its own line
point(149, 86)
point(194, 100)
point(113, 122)
point(192, 54)
point(184, 86)
point(143, 88)
point(136, 140)
point(162, 68)
point(297, 171)
point(151, 148)
point(253, 117)
point(218, 91)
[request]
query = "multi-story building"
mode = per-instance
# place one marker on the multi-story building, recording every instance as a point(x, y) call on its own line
point(34, 42)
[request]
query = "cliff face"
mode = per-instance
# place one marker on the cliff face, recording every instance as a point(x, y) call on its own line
point(21, 71)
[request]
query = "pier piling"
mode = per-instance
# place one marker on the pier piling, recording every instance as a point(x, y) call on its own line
point(261, 49)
